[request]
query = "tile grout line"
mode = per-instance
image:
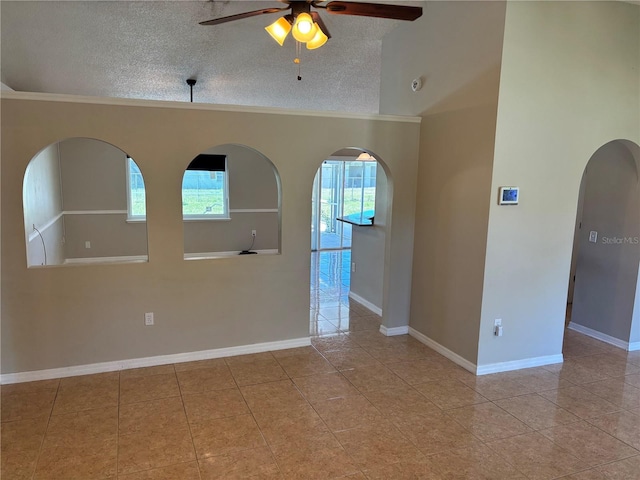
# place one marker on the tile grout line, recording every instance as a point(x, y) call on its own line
point(186, 418)
point(55, 397)
point(252, 414)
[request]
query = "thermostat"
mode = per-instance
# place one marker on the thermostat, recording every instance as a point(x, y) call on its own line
point(509, 195)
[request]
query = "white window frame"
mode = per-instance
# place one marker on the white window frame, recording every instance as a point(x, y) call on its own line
point(225, 215)
point(130, 216)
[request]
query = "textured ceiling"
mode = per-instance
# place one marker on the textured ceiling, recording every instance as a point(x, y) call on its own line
point(147, 49)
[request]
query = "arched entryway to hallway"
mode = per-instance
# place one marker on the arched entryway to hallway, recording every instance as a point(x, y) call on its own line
point(603, 299)
point(349, 221)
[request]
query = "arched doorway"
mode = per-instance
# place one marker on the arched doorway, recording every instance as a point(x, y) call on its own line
point(350, 201)
point(603, 293)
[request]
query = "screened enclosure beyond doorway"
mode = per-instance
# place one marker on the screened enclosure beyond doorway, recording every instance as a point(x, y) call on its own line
point(340, 188)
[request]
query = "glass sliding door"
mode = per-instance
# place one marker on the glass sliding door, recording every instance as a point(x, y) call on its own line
point(340, 188)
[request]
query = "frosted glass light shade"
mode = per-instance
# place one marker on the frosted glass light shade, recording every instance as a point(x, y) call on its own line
point(319, 40)
point(279, 30)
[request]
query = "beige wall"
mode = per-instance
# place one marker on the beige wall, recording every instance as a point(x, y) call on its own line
point(55, 317)
point(367, 249)
point(42, 203)
point(607, 270)
point(42, 197)
point(93, 176)
point(569, 84)
point(456, 49)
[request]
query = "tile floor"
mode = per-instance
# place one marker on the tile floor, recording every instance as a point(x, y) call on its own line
point(354, 405)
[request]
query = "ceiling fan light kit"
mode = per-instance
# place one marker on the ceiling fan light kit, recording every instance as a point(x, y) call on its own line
point(307, 27)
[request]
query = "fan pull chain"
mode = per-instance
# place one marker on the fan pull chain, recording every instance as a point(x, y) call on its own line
point(297, 59)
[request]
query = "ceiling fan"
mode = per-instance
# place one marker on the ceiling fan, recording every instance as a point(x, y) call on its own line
point(306, 25)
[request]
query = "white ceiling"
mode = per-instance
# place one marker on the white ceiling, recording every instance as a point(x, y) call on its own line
point(147, 49)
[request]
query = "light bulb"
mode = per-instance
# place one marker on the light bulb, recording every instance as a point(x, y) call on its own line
point(305, 28)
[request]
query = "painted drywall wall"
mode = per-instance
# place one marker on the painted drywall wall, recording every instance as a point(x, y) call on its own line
point(456, 49)
point(42, 204)
point(634, 336)
point(253, 205)
point(93, 175)
point(48, 250)
point(42, 198)
point(367, 249)
point(56, 317)
point(94, 197)
point(576, 242)
point(607, 270)
point(569, 84)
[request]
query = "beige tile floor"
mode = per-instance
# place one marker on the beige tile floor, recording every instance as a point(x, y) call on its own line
point(354, 405)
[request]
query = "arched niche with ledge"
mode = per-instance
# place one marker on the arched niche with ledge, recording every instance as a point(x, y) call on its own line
point(356, 217)
point(77, 203)
point(229, 192)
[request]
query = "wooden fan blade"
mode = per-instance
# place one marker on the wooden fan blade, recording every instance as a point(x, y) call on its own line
point(316, 18)
point(240, 16)
point(396, 12)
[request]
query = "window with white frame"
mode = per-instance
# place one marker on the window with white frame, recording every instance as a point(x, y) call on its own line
point(136, 194)
point(205, 186)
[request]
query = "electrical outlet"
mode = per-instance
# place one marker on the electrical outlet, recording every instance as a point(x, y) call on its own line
point(148, 319)
point(353, 267)
point(87, 244)
point(253, 233)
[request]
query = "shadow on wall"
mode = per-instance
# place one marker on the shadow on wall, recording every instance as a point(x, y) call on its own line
point(78, 208)
point(606, 303)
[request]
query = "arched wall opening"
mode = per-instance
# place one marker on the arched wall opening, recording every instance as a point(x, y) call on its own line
point(603, 298)
point(231, 198)
point(77, 205)
point(350, 220)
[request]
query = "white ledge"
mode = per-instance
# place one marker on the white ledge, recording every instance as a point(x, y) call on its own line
point(131, 102)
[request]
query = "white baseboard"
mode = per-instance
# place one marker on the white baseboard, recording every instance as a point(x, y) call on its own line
point(366, 303)
point(484, 369)
point(454, 357)
point(634, 347)
point(123, 259)
point(518, 364)
point(393, 331)
point(117, 365)
point(603, 337)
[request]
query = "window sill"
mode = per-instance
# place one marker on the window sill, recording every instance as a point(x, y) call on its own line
point(206, 219)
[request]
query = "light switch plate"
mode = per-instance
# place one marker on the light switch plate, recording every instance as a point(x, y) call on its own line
point(593, 236)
